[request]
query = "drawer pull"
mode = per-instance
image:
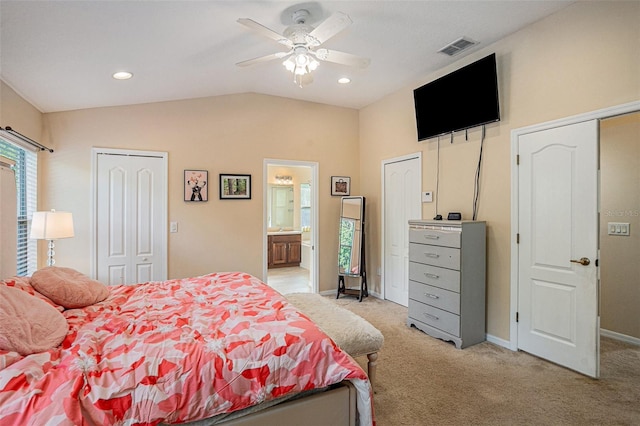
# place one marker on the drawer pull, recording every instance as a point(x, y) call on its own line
point(432, 296)
point(432, 237)
point(432, 255)
point(431, 316)
point(434, 276)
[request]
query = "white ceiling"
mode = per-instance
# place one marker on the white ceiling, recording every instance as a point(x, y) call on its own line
point(60, 55)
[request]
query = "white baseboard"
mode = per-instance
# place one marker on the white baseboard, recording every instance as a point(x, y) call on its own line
point(607, 333)
point(620, 336)
point(498, 341)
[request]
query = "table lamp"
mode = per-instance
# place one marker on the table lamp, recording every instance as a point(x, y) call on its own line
point(51, 225)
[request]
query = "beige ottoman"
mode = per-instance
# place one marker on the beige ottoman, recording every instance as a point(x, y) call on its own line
point(352, 333)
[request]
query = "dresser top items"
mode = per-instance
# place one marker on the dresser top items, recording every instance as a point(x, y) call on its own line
point(442, 225)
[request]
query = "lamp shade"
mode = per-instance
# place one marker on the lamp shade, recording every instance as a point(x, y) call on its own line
point(51, 225)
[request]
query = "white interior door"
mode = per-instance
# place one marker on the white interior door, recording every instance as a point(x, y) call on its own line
point(401, 194)
point(558, 226)
point(130, 219)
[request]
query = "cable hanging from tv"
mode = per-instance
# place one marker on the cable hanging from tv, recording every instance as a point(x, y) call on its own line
point(476, 188)
point(25, 139)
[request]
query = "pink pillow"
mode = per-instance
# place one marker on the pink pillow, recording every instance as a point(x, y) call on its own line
point(29, 325)
point(24, 284)
point(68, 287)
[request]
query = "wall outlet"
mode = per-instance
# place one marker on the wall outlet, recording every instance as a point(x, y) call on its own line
point(427, 197)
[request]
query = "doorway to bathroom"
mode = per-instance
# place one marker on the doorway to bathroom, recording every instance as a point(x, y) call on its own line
point(290, 203)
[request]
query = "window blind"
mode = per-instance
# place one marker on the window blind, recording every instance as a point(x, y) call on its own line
point(26, 171)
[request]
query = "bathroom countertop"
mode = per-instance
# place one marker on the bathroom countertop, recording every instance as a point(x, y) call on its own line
point(284, 232)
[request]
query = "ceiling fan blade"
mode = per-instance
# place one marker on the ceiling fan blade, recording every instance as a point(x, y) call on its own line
point(266, 58)
point(341, 58)
point(267, 32)
point(328, 28)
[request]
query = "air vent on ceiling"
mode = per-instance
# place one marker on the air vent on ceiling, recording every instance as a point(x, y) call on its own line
point(458, 46)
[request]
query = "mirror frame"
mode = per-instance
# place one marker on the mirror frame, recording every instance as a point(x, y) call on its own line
point(357, 243)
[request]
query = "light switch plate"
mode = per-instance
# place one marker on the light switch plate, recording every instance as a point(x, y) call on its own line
point(427, 197)
point(618, 228)
point(173, 227)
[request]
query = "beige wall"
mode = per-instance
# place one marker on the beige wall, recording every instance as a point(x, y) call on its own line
point(19, 114)
point(225, 134)
point(620, 202)
point(578, 60)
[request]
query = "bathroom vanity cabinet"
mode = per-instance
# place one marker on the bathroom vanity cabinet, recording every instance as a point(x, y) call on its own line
point(284, 250)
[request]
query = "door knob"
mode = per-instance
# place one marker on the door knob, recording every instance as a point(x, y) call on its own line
point(583, 261)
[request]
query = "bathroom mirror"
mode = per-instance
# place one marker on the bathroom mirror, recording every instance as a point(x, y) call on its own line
point(280, 205)
point(350, 235)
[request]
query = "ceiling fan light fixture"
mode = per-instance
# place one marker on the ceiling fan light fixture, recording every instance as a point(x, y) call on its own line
point(300, 63)
point(302, 59)
point(289, 64)
point(313, 64)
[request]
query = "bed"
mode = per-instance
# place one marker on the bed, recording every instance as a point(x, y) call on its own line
point(200, 349)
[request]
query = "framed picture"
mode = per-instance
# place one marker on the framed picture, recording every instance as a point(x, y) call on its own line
point(195, 185)
point(235, 187)
point(340, 185)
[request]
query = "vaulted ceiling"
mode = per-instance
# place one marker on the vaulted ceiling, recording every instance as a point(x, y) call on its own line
point(60, 55)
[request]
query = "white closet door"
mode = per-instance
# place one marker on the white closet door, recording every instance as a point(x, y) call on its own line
point(130, 219)
point(402, 182)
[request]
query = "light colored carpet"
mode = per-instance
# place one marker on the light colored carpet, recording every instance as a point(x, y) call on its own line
point(426, 381)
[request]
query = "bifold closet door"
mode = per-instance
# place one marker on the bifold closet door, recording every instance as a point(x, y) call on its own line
point(129, 219)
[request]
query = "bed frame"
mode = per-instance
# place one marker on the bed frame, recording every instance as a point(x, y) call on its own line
point(336, 407)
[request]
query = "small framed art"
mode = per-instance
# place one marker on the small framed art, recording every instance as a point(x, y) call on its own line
point(340, 185)
point(195, 185)
point(235, 187)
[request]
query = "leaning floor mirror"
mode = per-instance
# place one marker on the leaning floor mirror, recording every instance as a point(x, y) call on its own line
point(351, 257)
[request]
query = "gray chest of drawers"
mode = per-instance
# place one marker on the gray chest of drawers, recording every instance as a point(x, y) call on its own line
point(447, 269)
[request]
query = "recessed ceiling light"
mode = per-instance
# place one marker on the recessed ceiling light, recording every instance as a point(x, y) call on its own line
point(344, 80)
point(122, 75)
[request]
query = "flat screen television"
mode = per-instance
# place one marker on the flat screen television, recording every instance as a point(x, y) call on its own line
point(465, 98)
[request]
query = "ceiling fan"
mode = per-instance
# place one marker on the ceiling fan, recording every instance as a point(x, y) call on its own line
point(304, 45)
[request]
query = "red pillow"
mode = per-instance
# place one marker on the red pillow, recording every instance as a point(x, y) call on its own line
point(29, 325)
point(68, 287)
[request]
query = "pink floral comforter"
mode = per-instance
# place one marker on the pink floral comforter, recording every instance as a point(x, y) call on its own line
point(175, 351)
